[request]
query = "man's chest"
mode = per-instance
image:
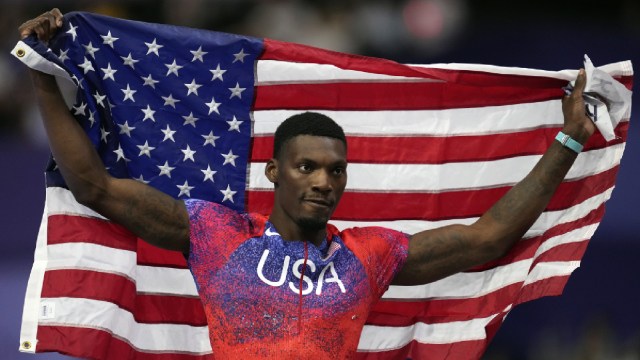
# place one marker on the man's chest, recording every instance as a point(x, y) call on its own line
point(278, 277)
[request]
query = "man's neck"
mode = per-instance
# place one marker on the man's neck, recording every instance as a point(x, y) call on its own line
point(292, 232)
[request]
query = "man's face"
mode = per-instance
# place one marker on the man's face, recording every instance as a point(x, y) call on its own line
point(310, 177)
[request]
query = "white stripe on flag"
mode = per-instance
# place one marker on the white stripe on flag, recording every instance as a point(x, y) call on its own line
point(285, 72)
point(622, 68)
point(148, 279)
point(450, 176)
point(379, 338)
point(549, 269)
point(476, 284)
point(445, 122)
point(60, 201)
point(107, 316)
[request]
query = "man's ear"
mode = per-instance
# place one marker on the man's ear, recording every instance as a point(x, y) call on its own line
point(271, 171)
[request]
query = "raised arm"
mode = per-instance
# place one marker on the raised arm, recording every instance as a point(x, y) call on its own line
point(438, 253)
point(150, 214)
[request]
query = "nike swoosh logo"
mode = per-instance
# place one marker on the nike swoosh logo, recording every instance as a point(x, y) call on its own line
point(271, 233)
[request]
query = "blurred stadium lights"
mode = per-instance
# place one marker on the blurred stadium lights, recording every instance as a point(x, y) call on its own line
point(434, 24)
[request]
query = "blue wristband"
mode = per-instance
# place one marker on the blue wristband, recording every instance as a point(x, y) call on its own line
point(568, 142)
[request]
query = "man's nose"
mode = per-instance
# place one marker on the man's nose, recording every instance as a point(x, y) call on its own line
point(322, 181)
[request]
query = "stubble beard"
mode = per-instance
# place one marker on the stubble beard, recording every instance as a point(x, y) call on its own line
point(312, 224)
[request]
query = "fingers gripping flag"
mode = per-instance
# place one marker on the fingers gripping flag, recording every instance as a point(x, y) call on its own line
point(193, 113)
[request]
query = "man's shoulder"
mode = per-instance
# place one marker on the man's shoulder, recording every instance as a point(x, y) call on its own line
point(373, 238)
point(366, 232)
point(220, 215)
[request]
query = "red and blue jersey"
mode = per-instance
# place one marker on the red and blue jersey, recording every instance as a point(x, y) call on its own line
point(265, 297)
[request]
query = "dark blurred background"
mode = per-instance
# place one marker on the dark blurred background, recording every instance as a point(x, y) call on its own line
point(598, 316)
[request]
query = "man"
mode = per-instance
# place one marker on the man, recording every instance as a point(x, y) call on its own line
point(291, 285)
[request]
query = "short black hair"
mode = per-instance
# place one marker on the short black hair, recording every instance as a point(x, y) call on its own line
point(307, 123)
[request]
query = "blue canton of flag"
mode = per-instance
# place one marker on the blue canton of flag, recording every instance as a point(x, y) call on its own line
point(173, 111)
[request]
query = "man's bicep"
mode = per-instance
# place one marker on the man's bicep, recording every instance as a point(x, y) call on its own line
point(152, 215)
point(438, 253)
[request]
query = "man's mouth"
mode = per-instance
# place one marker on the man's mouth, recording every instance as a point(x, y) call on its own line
point(319, 202)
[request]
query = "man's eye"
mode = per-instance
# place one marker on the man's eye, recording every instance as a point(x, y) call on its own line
point(339, 171)
point(304, 167)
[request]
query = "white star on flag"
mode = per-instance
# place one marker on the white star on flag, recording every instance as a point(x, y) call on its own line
point(120, 153)
point(228, 194)
point(128, 93)
point(148, 113)
point(192, 87)
point(99, 98)
point(239, 56)
point(91, 50)
point(229, 158)
point(153, 47)
point(150, 81)
point(185, 189)
point(72, 31)
point(91, 118)
point(129, 61)
point(217, 73)
point(103, 134)
point(198, 54)
point(165, 169)
point(108, 39)
point(108, 72)
point(125, 128)
point(236, 91)
point(210, 139)
point(234, 124)
point(80, 109)
point(213, 106)
point(169, 100)
point(168, 134)
point(86, 66)
point(188, 154)
point(63, 55)
point(173, 68)
point(208, 174)
point(190, 120)
point(145, 149)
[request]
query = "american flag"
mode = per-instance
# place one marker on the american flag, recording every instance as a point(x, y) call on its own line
point(193, 113)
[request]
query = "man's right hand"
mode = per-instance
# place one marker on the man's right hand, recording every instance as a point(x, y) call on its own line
point(44, 26)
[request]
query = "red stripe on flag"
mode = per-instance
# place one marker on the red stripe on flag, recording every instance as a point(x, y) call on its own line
point(99, 344)
point(150, 255)
point(407, 312)
point(547, 287)
point(439, 206)
point(526, 248)
point(298, 53)
point(393, 96)
point(402, 312)
point(146, 308)
point(81, 229)
point(445, 149)
point(572, 251)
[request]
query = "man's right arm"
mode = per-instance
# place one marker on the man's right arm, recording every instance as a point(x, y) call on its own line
point(150, 214)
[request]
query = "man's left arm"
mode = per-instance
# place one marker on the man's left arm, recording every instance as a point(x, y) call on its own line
point(438, 253)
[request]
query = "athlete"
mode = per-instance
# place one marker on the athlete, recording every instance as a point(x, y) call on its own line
point(290, 285)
